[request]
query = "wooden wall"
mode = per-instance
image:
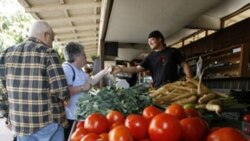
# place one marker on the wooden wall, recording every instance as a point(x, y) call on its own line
point(232, 35)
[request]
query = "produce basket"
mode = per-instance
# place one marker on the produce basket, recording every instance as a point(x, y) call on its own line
point(246, 128)
point(72, 130)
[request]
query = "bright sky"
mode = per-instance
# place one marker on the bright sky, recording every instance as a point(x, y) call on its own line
point(10, 7)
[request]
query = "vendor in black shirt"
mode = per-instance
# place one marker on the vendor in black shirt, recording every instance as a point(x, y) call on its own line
point(163, 62)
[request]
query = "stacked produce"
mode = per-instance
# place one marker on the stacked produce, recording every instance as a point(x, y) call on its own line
point(173, 124)
point(131, 100)
point(195, 93)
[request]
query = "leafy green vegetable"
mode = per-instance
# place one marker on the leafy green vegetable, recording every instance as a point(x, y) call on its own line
point(127, 101)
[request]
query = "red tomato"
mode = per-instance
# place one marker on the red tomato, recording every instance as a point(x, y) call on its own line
point(90, 137)
point(246, 118)
point(115, 124)
point(194, 129)
point(165, 127)
point(137, 126)
point(96, 123)
point(104, 136)
point(120, 133)
point(150, 111)
point(115, 116)
point(191, 112)
point(80, 124)
point(145, 140)
point(226, 134)
point(176, 110)
point(78, 134)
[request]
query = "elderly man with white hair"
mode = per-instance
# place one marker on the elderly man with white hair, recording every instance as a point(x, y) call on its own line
point(34, 84)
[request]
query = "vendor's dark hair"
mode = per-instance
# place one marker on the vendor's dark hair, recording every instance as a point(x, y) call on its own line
point(157, 34)
point(72, 49)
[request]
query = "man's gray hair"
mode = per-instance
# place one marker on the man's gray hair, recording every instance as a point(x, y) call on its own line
point(39, 28)
point(72, 50)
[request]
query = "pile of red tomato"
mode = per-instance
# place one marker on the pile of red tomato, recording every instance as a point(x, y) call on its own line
point(173, 124)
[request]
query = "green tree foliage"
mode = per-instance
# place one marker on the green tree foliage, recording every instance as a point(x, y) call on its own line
point(13, 28)
point(14, 25)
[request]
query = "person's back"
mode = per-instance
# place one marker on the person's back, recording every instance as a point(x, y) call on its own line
point(32, 77)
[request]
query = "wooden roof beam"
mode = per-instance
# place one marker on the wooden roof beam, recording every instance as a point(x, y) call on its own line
point(92, 46)
point(84, 41)
point(77, 18)
point(56, 7)
point(82, 27)
point(88, 49)
point(66, 12)
point(24, 3)
point(62, 2)
point(82, 34)
point(88, 43)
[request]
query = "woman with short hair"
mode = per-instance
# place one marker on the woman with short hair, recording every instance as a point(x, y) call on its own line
point(78, 80)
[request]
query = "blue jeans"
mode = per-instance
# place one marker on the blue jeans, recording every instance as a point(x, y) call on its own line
point(51, 132)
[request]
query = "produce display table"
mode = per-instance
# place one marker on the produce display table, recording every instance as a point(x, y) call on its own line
point(72, 130)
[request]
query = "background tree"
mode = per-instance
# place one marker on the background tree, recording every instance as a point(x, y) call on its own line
point(14, 23)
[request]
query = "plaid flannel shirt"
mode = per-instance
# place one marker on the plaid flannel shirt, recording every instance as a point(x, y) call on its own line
point(34, 83)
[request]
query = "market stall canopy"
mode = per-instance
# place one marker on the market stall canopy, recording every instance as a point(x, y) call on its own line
point(71, 20)
point(131, 21)
point(128, 21)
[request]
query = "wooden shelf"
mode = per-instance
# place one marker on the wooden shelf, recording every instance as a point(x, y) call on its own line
point(225, 57)
point(220, 68)
point(232, 60)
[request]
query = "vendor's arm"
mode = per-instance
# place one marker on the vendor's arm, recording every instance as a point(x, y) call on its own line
point(186, 69)
point(134, 69)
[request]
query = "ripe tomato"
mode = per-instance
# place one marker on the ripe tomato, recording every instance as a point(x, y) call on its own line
point(90, 137)
point(150, 111)
point(191, 112)
point(145, 140)
point(115, 124)
point(78, 134)
point(80, 124)
point(226, 134)
point(176, 110)
point(194, 129)
point(165, 127)
point(115, 116)
point(246, 118)
point(104, 136)
point(137, 126)
point(96, 123)
point(120, 133)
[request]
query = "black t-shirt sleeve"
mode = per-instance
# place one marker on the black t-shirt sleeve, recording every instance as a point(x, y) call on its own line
point(145, 63)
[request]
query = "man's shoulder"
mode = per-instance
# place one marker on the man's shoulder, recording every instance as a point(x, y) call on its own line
point(171, 48)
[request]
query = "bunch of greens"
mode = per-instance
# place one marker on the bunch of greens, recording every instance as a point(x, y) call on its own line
point(127, 101)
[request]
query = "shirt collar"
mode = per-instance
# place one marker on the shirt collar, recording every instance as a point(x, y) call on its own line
point(34, 39)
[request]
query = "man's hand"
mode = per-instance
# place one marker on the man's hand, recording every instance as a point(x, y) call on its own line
point(117, 69)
